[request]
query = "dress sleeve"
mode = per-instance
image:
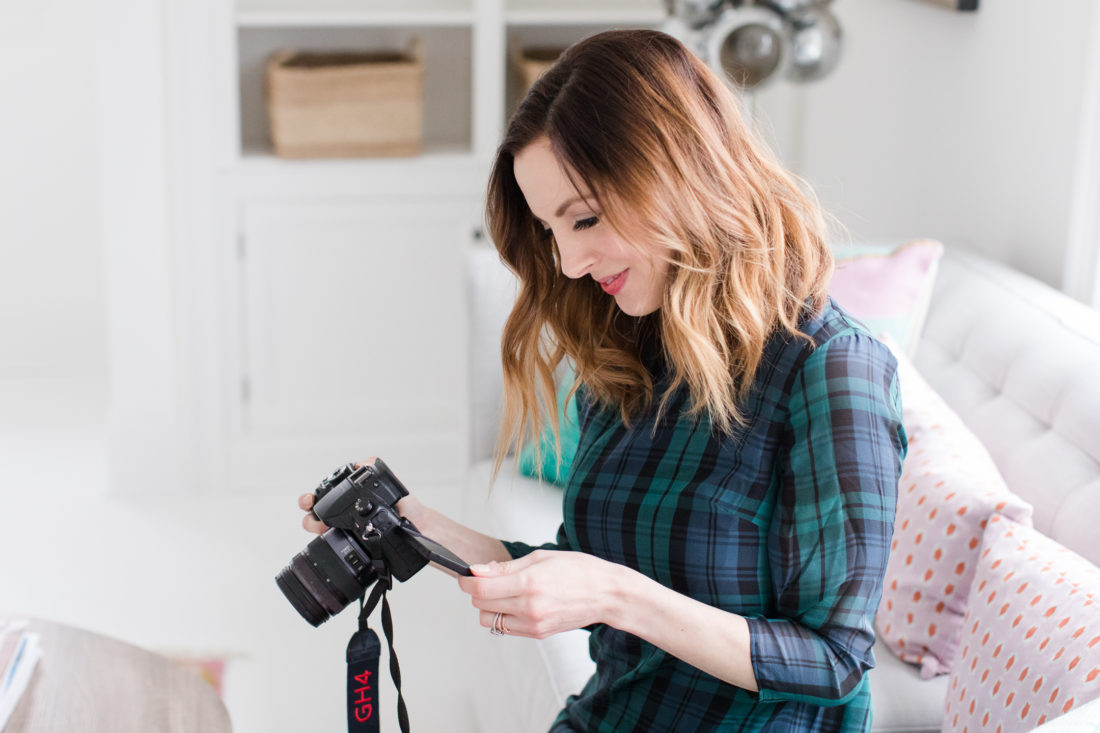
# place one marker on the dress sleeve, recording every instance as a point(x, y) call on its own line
point(831, 530)
point(519, 549)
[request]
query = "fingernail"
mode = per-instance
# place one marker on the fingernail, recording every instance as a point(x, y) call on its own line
point(480, 569)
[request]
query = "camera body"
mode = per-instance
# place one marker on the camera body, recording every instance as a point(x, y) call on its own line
point(367, 542)
point(362, 501)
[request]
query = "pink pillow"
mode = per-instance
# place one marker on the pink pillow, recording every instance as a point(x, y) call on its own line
point(889, 291)
point(1031, 638)
point(948, 489)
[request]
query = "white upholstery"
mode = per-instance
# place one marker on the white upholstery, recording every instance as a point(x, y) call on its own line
point(903, 702)
point(1018, 361)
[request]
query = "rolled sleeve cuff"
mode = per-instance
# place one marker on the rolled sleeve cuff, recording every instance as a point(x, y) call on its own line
point(520, 549)
point(793, 663)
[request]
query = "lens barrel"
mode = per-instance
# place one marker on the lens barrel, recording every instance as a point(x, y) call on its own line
point(324, 578)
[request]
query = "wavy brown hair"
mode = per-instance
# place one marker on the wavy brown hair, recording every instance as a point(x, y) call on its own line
point(649, 131)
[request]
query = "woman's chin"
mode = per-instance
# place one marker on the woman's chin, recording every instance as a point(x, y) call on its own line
point(637, 309)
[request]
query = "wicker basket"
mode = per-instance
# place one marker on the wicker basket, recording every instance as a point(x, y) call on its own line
point(346, 104)
point(533, 63)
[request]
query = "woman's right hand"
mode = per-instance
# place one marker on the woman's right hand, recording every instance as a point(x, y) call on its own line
point(309, 522)
point(407, 507)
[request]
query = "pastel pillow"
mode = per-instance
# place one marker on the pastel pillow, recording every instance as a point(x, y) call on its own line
point(1031, 637)
point(948, 489)
point(889, 290)
point(1082, 719)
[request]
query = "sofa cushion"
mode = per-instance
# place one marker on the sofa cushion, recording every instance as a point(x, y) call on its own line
point(1031, 638)
point(889, 290)
point(901, 701)
point(1018, 360)
point(948, 489)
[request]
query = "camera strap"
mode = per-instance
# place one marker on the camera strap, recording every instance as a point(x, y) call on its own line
point(364, 651)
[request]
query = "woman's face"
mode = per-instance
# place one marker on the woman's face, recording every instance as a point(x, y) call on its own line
point(587, 245)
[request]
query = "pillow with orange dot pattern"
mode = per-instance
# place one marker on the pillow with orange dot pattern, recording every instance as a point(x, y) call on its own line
point(1030, 648)
point(949, 487)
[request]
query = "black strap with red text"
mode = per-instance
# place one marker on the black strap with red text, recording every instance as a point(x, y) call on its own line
point(364, 651)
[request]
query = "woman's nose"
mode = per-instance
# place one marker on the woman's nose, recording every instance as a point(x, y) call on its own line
point(577, 260)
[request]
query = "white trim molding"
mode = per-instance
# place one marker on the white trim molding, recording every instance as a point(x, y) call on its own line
point(145, 424)
point(1081, 277)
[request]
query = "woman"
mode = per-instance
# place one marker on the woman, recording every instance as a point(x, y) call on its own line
point(728, 515)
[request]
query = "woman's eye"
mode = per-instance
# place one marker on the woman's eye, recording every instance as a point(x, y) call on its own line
point(586, 223)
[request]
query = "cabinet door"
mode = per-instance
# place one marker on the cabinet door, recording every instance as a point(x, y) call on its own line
point(350, 339)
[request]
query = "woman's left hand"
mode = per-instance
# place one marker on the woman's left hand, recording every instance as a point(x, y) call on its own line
point(545, 592)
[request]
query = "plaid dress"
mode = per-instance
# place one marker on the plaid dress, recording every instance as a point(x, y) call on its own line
point(786, 522)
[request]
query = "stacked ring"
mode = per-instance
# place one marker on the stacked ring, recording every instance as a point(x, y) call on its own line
point(498, 627)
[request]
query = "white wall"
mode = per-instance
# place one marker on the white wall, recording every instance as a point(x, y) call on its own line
point(964, 127)
point(961, 126)
point(52, 320)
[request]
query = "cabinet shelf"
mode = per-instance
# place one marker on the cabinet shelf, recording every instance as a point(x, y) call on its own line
point(406, 10)
point(596, 18)
point(609, 13)
point(447, 81)
point(428, 14)
point(350, 18)
point(443, 169)
point(261, 159)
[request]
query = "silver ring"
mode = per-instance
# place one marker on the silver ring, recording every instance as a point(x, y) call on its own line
point(497, 628)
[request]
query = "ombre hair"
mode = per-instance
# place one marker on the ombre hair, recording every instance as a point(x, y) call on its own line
point(645, 128)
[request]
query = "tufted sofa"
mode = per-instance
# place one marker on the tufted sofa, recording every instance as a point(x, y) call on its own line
point(1018, 361)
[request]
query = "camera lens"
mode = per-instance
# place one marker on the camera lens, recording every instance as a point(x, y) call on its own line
point(325, 577)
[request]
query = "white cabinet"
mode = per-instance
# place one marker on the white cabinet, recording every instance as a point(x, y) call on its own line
point(350, 332)
point(343, 328)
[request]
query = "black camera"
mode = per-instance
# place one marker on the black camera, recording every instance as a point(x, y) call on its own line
point(367, 542)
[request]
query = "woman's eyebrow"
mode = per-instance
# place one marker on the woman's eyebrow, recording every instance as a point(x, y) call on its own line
point(567, 203)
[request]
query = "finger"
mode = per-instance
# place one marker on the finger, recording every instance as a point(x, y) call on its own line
point(313, 525)
point(506, 586)
point(488, 618)
point(510, 625)
point(305, 502)
point(510, 606)
point(369, 462)
point(497, 579)
point(496, 569)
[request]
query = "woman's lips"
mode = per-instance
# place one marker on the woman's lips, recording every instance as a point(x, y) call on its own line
point(613, 286)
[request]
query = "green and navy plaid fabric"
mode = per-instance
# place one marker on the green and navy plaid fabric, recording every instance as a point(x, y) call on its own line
point(787, 522)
